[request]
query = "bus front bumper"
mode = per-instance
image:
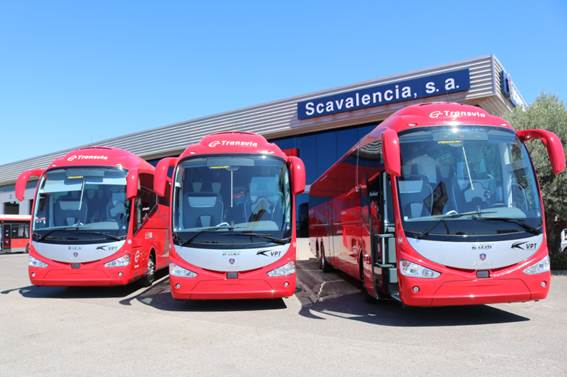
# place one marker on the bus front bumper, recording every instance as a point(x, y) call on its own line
point(65, 276)
point(456, 291)
point(221, 288)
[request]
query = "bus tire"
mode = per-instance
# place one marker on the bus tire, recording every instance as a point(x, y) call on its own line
point(323, 263)
point(367, 296)
point(150, 274)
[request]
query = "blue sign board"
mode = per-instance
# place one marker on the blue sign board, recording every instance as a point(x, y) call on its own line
point(380, 95)
point(510, 91)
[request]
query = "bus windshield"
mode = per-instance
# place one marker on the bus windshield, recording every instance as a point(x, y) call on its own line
point(87, 204)
point(467, 181)
point(232, 200)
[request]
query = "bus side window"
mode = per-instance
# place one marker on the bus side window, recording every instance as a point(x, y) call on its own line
point(146, 202)
point(164, 201)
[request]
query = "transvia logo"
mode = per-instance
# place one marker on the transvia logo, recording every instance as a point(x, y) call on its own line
point(233, 143)
point(83, 157)
point(455, 114)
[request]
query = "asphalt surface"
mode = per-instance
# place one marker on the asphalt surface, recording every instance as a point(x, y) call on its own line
point(143, 332)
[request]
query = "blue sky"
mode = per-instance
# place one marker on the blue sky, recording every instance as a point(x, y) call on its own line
point(77, 72)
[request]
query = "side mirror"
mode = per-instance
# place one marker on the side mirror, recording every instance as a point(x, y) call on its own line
point(22, 181)
point(297, 170)
point(160, 175)
point(391, 153)
point(552, 143)
point(132, 184)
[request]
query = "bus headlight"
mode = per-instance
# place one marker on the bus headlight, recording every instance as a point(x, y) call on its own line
point(539, 267)
point(123, 261)
point(414, 270)
point(286, 269)
point(175, 270)
point(34, 262)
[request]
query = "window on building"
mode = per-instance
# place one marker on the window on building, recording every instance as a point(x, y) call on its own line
point(11, 208)
point(19, 231)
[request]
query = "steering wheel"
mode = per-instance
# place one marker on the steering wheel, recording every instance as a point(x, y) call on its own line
point(259, 208)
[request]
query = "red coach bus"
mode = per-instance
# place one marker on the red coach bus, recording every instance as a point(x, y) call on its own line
point(14, 233)
point(233, 218)
point(96, 220)
point(439, 205)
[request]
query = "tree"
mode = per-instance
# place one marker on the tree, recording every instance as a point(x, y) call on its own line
point(548, 112)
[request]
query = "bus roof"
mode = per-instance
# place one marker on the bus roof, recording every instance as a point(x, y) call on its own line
point(15, 218)
point(440, 114)
point(233, 142)
point(102, 156)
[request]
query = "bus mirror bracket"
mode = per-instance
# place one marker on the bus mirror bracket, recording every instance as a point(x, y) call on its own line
point(297, 169)
point(132, 184)
point(160, 179)
point(552, 143)
point(391, 152)
point(22, 182)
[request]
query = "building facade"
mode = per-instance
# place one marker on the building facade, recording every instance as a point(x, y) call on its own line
point(319, 127)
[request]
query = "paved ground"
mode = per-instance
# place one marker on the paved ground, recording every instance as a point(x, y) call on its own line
point(143, 332)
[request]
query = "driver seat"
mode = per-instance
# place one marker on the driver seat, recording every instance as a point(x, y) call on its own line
point(263, 199)
point(203, 209)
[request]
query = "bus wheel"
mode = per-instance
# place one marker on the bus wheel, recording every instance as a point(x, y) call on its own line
point(367, 296)
point(323, 263)
point(150, 275)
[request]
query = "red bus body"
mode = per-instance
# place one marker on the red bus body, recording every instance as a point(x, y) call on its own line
point(14, 233)
point(96, 220)
point(437, 206)
point(219, 248)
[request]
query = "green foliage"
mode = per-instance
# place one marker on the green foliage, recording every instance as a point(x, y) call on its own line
point(548, 112)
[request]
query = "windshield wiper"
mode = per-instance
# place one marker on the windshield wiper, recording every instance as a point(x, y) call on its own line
point(41, 237)
point(441, 220)
point(455, 215)
point(528, 228)
point(281, 241)
point(201, 231)
point(107, 235)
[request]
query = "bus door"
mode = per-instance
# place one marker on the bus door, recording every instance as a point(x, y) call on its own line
point(382, 239)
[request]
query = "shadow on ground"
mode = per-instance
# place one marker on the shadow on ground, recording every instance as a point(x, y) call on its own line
point(337, 295)
point(32, 291)
point(321, 295)
point(391, 313)
point(159, 297)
